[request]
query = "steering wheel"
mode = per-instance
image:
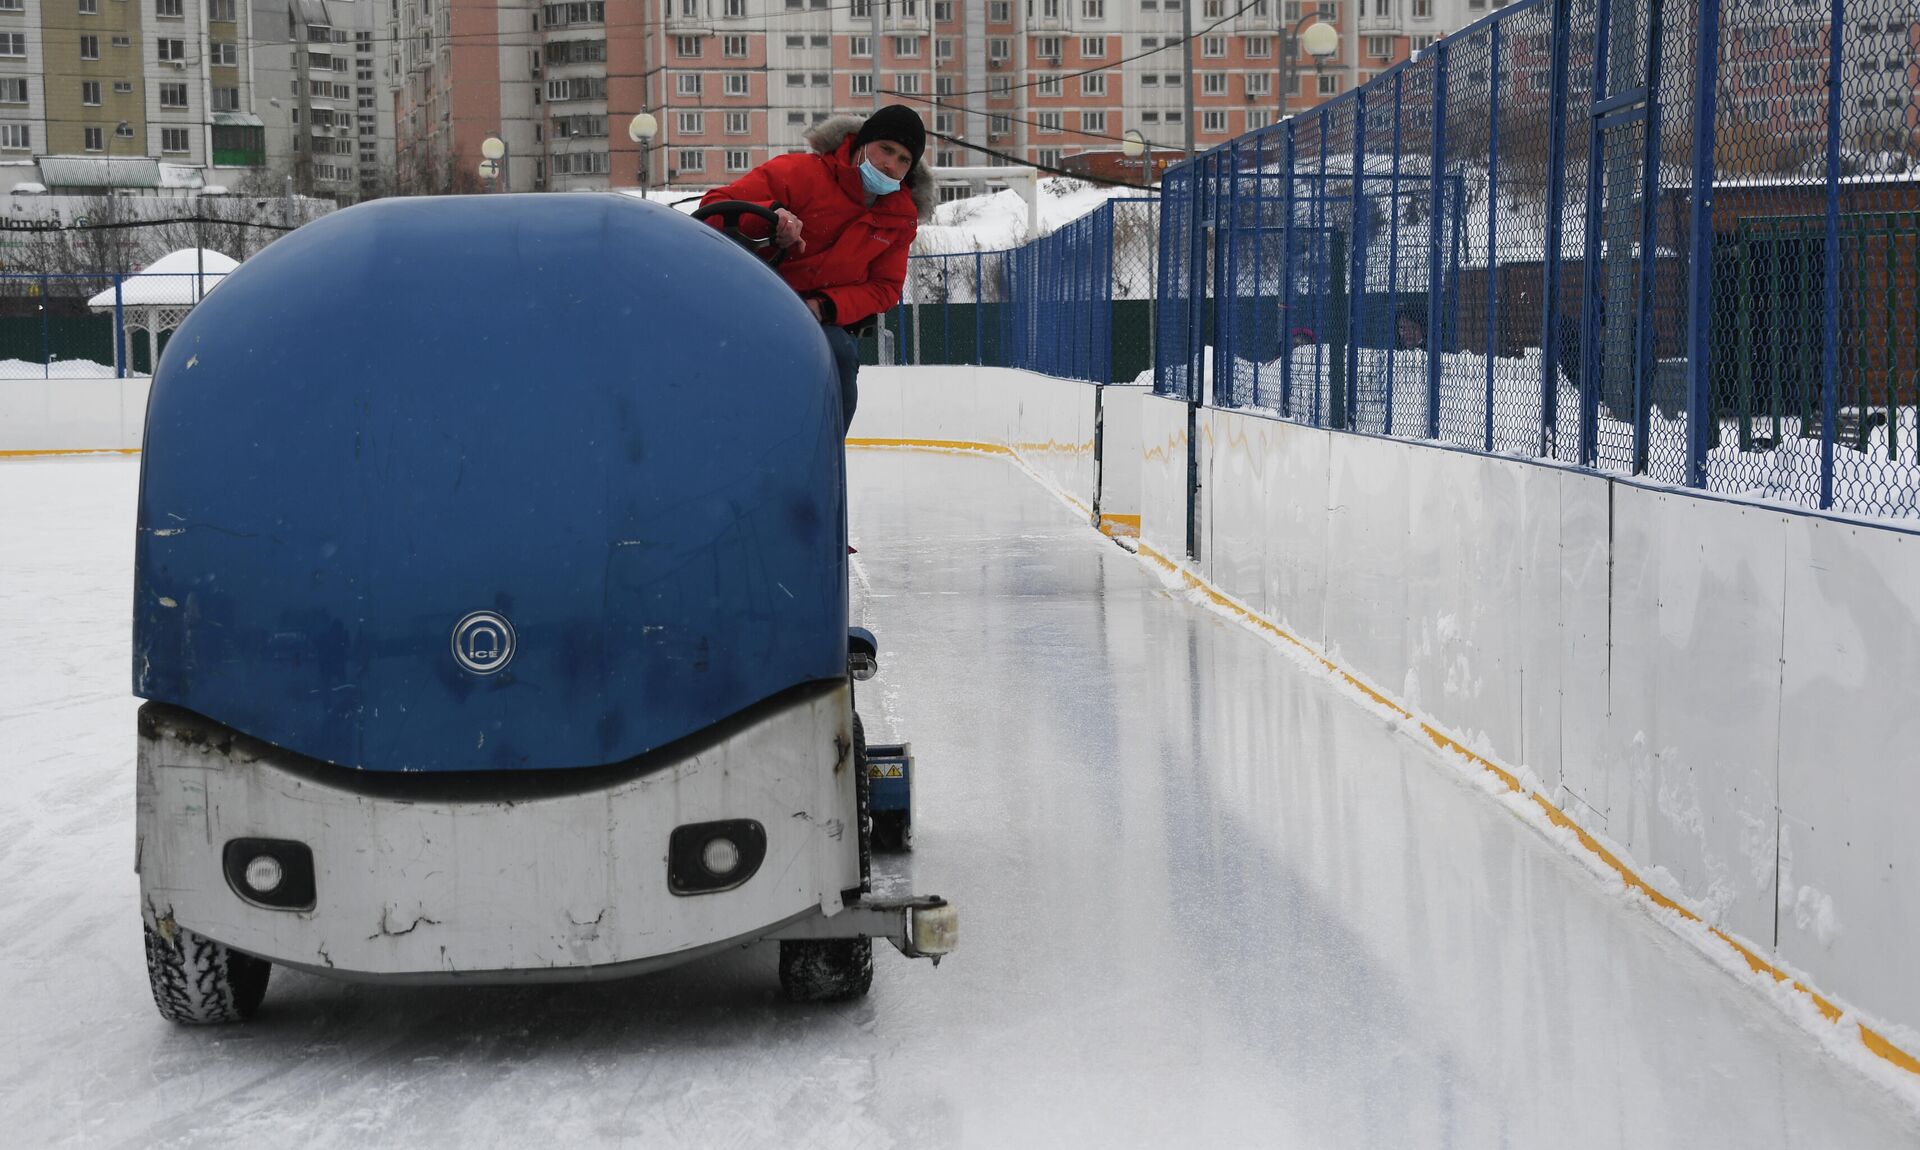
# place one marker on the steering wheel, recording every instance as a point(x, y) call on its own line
point(730, 213)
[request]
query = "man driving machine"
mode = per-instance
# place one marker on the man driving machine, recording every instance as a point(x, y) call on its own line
point(847, 211)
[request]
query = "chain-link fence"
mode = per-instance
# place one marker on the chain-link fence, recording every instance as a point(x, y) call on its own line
point(1078, 303)
point(1673, 238)
point(97, 290)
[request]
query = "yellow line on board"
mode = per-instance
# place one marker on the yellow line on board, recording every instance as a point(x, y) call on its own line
point(37, 454)
point(1871, 1038)
point(933, 445)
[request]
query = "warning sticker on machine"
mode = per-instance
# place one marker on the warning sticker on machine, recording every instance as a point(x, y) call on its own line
point(886, 771)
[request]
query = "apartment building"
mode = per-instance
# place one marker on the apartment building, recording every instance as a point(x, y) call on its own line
point(732, 82)
point(327, 109)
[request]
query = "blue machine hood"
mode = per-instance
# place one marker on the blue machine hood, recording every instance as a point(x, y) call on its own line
point(491, 482)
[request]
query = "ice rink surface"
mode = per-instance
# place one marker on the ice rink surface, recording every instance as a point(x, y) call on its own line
point(1206, 899)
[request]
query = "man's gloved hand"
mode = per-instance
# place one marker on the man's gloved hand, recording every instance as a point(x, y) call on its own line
point(787, 235)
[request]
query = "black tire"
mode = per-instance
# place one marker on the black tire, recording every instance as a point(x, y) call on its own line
point(892, 831)
point(826, 969)
point(199, 982)
point(863, 806)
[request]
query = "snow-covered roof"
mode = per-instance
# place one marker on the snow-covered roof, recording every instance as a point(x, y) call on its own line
point(171, 280)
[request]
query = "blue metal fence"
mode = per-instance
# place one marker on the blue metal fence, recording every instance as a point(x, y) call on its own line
point(85, 326)
point(1077, 303)
point(1673, 238)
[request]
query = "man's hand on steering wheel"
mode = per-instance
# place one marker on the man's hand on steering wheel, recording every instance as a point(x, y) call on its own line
point(787, 234)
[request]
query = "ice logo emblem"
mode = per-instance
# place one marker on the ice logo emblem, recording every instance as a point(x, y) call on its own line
point(483, 642)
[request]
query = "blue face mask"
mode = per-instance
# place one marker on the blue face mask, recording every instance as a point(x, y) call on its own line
point(877, 182)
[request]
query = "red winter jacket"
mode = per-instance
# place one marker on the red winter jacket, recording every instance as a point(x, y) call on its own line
point(856, 254)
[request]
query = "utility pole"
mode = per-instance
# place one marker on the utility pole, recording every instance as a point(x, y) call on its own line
point(1186, 66)
point(873, 16)
point(303, 131)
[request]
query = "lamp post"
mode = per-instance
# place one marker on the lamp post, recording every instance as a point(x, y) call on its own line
point(641, 131)
point(1321, 41)
point(1134, 146)
point(495, 150)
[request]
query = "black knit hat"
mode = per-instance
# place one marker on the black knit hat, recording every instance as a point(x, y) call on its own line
point(898, 123)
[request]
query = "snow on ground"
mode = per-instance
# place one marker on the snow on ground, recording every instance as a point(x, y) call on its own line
point(998, 220)
point(1206, 899)
point(58, 369)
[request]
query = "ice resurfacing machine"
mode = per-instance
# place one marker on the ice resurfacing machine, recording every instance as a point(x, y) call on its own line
point(491, 609)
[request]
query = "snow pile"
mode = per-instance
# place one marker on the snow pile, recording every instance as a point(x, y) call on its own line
point(998, 220)
point(58, 369)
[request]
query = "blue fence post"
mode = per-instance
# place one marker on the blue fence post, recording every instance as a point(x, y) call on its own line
point(1438, 212)
point(1356, 261)
point(946, 309)
point(1393, 250)
point(1106, 333)
point(46, 333)
point(1556, 224)
point(119, 328)
point(1259, 226)
point(1830, 353)
point(1286, 280)
point(1700, 410)
point(1493, 218)
point(1649, 254)
point(1322, 368)
point(1227, 293)
point(1198, 279)
point(1590, 317)
point(979, 317)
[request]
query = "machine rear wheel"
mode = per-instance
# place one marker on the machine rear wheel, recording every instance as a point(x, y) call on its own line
point(826, 969)
point(200, 982)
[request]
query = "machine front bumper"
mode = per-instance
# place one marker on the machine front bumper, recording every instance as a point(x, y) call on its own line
point(533, 877)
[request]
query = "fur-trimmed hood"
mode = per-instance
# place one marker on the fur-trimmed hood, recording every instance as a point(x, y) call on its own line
point(829, 134)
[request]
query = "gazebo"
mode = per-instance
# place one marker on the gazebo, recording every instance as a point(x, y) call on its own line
point(157, 298)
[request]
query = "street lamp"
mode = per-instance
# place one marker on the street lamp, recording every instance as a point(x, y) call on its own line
point(1321, 41)
point(495, 150)
point(1134, 146)
point(641, 131)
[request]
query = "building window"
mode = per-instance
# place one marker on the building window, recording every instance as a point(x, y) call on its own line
point(943, 49)
point(906, 47)
point(1258, 83)
point(1046, 121)
point(96, 139)
point(690, 161)
point(860, 46)
point(1213, 122)
point(220, 10)
point(1093, 47)
point(693, 123)
point(1047, 84)
point(124, 130)
point(943, 11)
point(998, 49)
point(734, 47)
point(169, 9)
point(1256, 47)
point(906, 83)
point(736, 84)
point(1422, 43)
point(173, 95)
point(687, 47)
point(171, 50)
point(89, 7)
point(1049, 157)
point(13, 90)
point(173, 139)
point(687, 85)
point(999, 125)
point(736, 123)
point(123, 87)
point(739, 159)
point(1047, 47)
point(90, 92)
point(1150, 79)
point(820, 79)
point(227, 55)
point(1213, 47)
point(943, 123)
point(1328, 85)
point(861, 84)
point(1093, 9)
point(1093, 123)
point(123, 41)
point(1000, 11)
point(16, 136)
point(735, 9)
point(1258, 118)
point(1094, 84)
point(1213, 83)
point(1423, 9)
point(1379, 47)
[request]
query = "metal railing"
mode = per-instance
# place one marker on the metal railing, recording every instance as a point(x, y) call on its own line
point(1669, 238)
